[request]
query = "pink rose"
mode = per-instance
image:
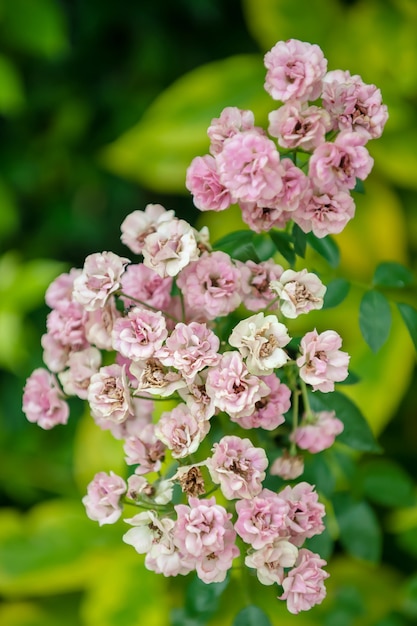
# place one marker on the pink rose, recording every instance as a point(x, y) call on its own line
point(43, 401)
point(102, 501)
point(317, 431)
point(321, 362)
point(203, 182)
point(99, 279)
point(231, 121)
point(304, 586)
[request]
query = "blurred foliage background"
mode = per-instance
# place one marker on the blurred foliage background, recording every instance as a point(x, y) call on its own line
point(102, 107)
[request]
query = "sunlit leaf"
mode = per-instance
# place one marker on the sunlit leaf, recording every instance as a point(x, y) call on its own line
point(375, 319)
point(158, 150)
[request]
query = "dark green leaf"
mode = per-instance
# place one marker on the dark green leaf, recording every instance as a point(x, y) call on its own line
point(391, 274)
point(359, 186)
point(336, 292)
point(180, 617)
point(352, 379)
point(202, 600)
point(409, 315)
point(317, 472)
point(326, 247)
point(410, 597)
point(238, 245)
point(263, 246)
point(375, 319)
point(360, 533)
point(356, 433)
point(300, 240)
point(284, 245)
point(252, 616)
point(385, 482)
point(321, 544)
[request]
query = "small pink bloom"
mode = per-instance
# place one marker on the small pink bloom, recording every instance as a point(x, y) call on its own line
point(295, 71)
point(296, 188)
point(260, 339)
point(261, 519)
point(269, 411)
point(99, 325)
point(354, 105)
point(317, 431)
point(270, 560)
point(59, 292)
point(304, 586)
point(249, 167)
point(299, 292)
point(190, 348)
point(145, 450)
point(139, 224)
point(109, 396)
point(299, 126)
point(325, 213)
point(99, 279)
point(102, 501)
point(43, 401)
point(287, 466)
point(335, 166)
point(180, 431)
point(238, 467)
point(140, 334)
point(262, 216)
point(321, 362)
point(232, 388)
point(257, 293)
point(143, 284)
point(197, 399)
point(170, 248)
point(203, 182)
point(305, 516)
point(81, 366)
point(154, 378)
point(211, 286)
point(231, 121)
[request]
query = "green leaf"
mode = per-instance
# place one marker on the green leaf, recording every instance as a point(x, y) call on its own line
point(239, 245)
point(392, 274)
point(336, 292)
point(159, 148)
point(360, 533)
point(263, 245)
point(409, 315)
point(374, 319)
point(11, 92)
point(300, 241)
point(386, 483)
point(36, 27)
point(326, 247)
point(202, 600)
point(356, 433)
point(284, 245)
point(252, 616)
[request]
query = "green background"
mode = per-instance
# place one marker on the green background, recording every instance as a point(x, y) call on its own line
point(102, 107)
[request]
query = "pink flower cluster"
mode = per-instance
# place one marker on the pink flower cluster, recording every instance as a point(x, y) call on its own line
point(271, 184)
point(191, 325)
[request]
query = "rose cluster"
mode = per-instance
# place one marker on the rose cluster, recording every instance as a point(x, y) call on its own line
point(321, 128)
point(124, 334)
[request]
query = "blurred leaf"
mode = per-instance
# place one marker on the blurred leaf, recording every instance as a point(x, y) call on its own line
point(375, 319)
point(360, 533)
point(36, 27)
point(386, 483)
point(9, 217)
point(284, 245)
point(356, 433)
point(202, 600)
point(252, 616)
point(409, 315)
point(392, 274)
point(326, 247)
point(300, 240)
point(157, 151)
point(125, 593)
point(238, 245)
point(53, 548)
point(263, 245)
point(409, 599)
point(11, 93)
point(336, 292)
